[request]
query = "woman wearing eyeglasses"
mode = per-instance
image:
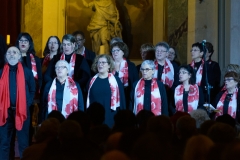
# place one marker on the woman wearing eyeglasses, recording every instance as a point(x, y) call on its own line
point(52, 48)
point(228, 100)
point(188, 96)
point(149, 93)
point(105, 88)
point(25, 44)
point(78, 66)
point(124, 69)
point(63, 93)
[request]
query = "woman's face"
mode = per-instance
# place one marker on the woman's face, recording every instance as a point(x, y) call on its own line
point(68, 47)
point(102, 65)
point(171, 54)
point(117, 53)
point(147, 72)
point(184, 75)
point(23, 44)
point(230, 83)
point(61, 69)
point(196, 53)
point(53, 44)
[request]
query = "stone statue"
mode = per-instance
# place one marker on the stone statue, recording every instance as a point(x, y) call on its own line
point(104, 24)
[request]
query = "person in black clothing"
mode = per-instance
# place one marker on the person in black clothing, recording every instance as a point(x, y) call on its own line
point(81, 49)
point(228, 100)
point(79, 68)
point(124, 68)
point(188, 96)
point(17, 90)
point(212, 68)
point(63, 93)
point(149, 93)
point(106, 89)
point(26, 46)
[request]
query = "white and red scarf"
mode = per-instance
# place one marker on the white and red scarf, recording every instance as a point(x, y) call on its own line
point(232, 106)
point(156, 102)
point(193, 97)
point(115, 94)
point(34, 66)
point(199, 72)
point(70, 97)
point(123, 72)
point(167, 74)
point(71, 64)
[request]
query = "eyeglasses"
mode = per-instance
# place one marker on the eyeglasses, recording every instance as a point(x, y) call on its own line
point(52, 42)
point(146, 69)
point(67, 44)
point(103, 63)
point(25, 41)
point(60, 67)
point(160, 51)
point(183, 72)
point(228, 79)
point(116, 50)
point(194, 50)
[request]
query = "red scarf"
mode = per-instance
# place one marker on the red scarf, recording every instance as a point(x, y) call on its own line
point(71, 64)
point(21, 102)
point(193, 98)
point(232, 106)
point(115, 95)
point(45, 63)
point(156, 102)
point(70, 97)
point(199, 72)
point(123, 72)
point(167, 74)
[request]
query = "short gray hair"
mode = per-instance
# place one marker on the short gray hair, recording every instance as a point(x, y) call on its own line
point(65, 63)
point(148, 62)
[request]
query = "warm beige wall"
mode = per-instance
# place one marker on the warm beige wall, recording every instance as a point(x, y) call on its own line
point(31, 22)
point(41, 19)
point(203, 24)
point(159, 21)
point(53, 19)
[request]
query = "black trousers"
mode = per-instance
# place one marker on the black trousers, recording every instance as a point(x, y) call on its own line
point(6, 134)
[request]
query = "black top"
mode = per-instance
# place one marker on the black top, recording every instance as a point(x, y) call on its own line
point(185, 101)
point(147, 95)
point(29, 85)
point(214, 77)
point(100, 92)
point(13, 85)
point(160, 70)
point(163, 94)
point(226, 103)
